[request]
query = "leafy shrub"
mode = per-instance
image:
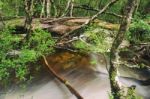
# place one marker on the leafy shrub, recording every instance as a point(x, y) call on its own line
point(139, 31)
point(17, 66)
point(41, 42)
point(96, 40)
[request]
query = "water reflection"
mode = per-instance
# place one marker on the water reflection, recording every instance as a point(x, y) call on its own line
point(90, 81)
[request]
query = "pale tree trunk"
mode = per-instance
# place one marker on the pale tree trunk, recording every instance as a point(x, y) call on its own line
point(17, 8)
point(87, 13)
point(29, 13)
point(69, 8)
point(43, 9)
point(55, 13)
point(139, 1)
point(48, 8)
point(100, 4)
point(114, 57)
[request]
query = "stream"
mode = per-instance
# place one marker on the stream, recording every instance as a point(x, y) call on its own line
point(86, 73)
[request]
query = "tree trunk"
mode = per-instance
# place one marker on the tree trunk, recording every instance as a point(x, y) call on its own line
point(69, 8)
point(139, 1)
point(55, 13)
point(43, 9)
point(17, 8)
point(29, 13)
point(62, 80)
point(48, 8)
point(114, 57)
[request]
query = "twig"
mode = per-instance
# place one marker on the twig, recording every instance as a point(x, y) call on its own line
point(62, 80)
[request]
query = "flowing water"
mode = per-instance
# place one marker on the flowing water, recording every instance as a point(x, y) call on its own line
point(86, 73)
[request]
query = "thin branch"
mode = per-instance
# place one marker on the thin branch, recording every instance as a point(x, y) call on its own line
point(96, 10)
point(62, 80)
point(114, 14)
point(69, 41)
point(103, 10)
point(69, 8)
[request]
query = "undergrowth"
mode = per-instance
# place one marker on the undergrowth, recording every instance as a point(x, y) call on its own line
point(15, 61)
point(94, 40)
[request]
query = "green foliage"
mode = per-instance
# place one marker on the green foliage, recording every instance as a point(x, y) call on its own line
point(111, 96)
point(13, 8)
point(147, 16)
point(83, 46)
point(18, 66)
point(16, 7)
point(129, 95)
point(41, 42)
point(139, 32)
point(93, 62)
point(9, 7)
point(27, 55)
point(6, 41)
point(96, 40)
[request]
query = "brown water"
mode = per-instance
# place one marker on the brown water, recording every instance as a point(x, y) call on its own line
point(90, 79)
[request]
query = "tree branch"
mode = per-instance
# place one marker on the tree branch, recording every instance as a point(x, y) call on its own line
point(84, 26)
point(62, 80)
point(85, 7)
point(115, 49)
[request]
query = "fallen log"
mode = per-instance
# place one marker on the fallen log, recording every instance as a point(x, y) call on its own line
point(82, 28)
point(62, 80)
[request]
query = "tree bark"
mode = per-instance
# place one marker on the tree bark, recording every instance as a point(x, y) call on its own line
point(55, 13)
point(43, 9)
point(114, 57)
point(29, 13)
point(48, 10)
point(62, 80)
point(17, 8)
point(69, 8)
